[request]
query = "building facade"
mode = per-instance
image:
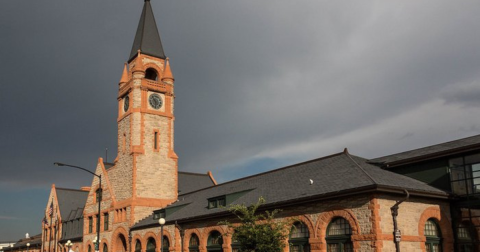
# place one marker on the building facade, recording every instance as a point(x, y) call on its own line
point(419, 200)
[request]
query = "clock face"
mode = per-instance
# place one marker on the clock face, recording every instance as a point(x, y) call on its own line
point(126, 103)
point(155, 101)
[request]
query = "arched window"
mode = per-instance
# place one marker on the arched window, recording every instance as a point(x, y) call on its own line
point(89, 248)
point(298, 239)
point(138, 246)
point(151, 245)
point(105, 248)
point(193, 243)
point(166, 244)
point(151, 74)
point(339, 235)
point(464, 234)
point(214, 242)
point(433, 235)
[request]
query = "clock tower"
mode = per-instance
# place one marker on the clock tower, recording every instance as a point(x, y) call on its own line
point(146, 164)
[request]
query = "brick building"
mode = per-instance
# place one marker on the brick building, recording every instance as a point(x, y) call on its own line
point(340, 202)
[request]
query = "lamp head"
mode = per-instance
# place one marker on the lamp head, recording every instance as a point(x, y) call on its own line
point(28, 244)
point(161, 221)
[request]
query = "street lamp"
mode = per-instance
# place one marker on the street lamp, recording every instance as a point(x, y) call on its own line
point(28, 246)
point(95, 241)
point(99, 198)
point(161, 221)
point(69, 244)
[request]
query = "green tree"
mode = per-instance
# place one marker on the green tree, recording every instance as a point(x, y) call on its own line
point(258, 232)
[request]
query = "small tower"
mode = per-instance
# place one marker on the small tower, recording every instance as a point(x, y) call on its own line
point(146, 163)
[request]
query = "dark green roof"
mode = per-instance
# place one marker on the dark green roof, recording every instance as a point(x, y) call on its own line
point(331, 176)
point(147, 38)
point(435, 151)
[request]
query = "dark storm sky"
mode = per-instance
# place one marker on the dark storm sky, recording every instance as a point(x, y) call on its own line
point(259, 85)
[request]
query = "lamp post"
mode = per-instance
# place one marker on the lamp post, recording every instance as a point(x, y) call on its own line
point(95, 241)
point(28, 246)
point(68, 245)
point(99, 198)
point(161, 221)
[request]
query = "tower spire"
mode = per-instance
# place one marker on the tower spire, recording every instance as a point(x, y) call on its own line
point(147, 38)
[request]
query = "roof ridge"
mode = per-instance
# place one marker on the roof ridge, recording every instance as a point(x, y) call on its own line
point(360, 167)
point(267, 172)
point(193, 173)
point(70, 189)
point(429, 146)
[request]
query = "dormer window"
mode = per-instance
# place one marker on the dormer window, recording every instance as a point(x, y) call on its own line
point(159, 214)
point(217, 202)
point(151, 74)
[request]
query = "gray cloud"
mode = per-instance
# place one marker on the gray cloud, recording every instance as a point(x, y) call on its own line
point(258, 85)
point(466, 94)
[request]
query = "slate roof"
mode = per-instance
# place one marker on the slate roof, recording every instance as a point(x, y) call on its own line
point(71, 200)
point(147, 38)
point(430, 152)
point(189, 182)
point(35, 241)
point(332, 176)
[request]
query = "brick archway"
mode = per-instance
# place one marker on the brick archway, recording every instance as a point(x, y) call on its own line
point(442, 221)
point(325, 219)
point(119, 240)
point(188, 234)
point(206, 234)
point(145, 239)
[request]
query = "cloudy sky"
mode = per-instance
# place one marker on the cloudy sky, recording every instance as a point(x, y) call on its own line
point(259, 85)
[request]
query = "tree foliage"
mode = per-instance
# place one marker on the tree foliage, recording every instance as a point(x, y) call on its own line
point(258, 232)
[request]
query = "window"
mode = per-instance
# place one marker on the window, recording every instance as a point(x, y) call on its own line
point(97, 221)
point(138, 246)
point(339, 236)
point(151, 74)
point(89, 248)
point(216, 202)
point(193, 243)
point(105, 248)
point(98, 195)
point(214, 242)
point(465, 234)
point(299, 238)
point(433, 235)
point(105, 221)
point(159, 214)
point(465, 174)
point(151, 245)
point(166, 244)
point(90, 224)
point(155, 140)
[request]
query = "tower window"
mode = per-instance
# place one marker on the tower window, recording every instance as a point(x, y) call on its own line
point(151, 74)
point(155, 140)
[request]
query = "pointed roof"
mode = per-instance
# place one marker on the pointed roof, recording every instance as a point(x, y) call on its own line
point(147, 38)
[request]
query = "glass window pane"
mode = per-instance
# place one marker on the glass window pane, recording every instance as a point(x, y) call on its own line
point(339, 226)
point(299, 230)
point(431, 228)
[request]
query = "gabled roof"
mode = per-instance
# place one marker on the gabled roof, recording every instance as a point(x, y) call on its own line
point(189, 182)
point(435, 151)
point(69, 201)
point(147, 38)
point(331, 176)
